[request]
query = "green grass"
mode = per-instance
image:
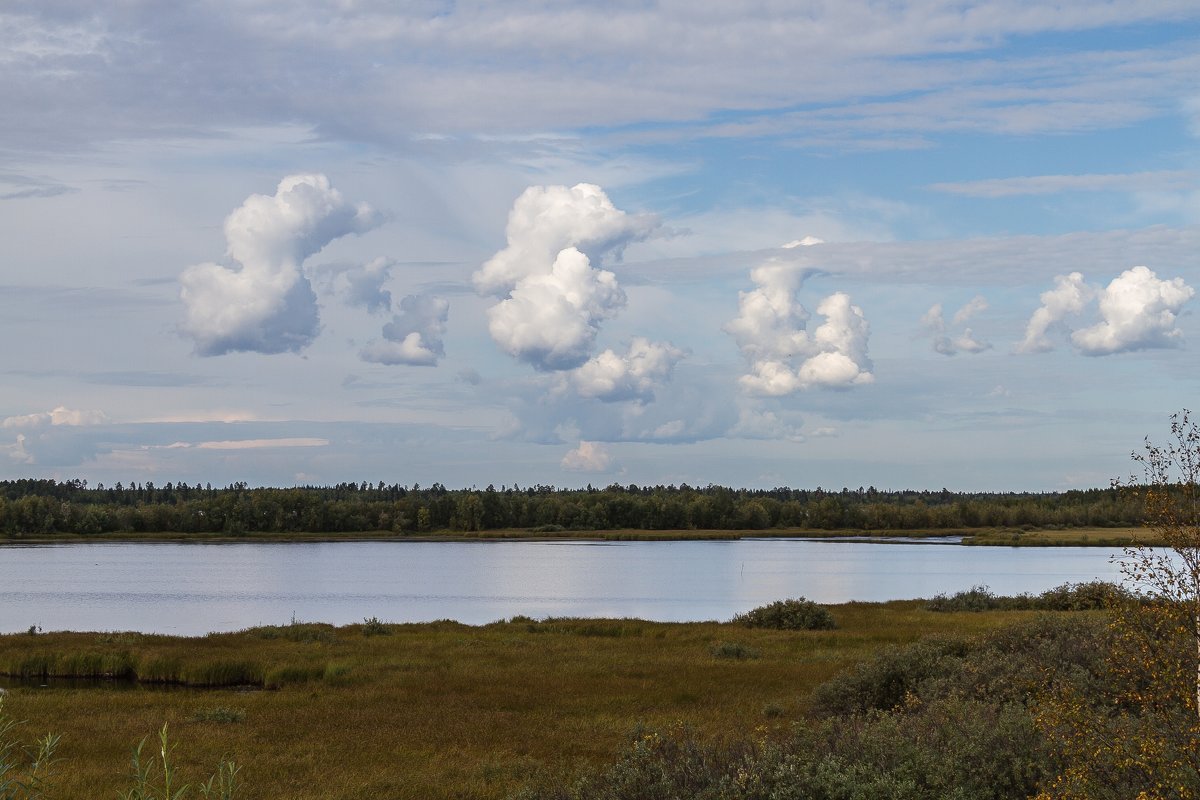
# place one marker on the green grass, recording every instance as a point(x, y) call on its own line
point(439, 709)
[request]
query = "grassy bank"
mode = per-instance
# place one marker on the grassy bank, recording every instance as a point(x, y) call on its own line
point(435, 710)
point(1006, 537)
point(1077, 537)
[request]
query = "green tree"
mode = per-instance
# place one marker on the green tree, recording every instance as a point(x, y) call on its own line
point(1133, 730)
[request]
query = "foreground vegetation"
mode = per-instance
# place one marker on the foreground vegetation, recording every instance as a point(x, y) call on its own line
point(439, 709)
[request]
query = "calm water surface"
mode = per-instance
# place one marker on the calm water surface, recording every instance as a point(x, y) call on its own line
point(196, 588)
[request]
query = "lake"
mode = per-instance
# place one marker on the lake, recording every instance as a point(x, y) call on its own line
point(191, 589)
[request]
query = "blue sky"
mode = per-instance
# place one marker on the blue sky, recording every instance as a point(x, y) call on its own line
point(911, 245)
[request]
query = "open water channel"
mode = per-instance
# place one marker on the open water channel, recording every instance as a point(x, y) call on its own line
point(191, 589)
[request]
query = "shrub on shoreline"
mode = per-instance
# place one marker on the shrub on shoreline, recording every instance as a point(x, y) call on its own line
point(796, 614)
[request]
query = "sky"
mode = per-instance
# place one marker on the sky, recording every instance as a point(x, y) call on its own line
point(915, 244)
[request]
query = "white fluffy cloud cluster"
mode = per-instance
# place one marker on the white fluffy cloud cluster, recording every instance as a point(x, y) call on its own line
point(414, 336)
point(587, 457)
point(554, 298)
point(41, 440)
point(1137, 312)
point(784, 357)
point(945, 340)
point(58, 416)
point(266, 304)
point(631, 376)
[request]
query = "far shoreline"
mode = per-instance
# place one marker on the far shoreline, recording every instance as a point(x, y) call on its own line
point(972, 537)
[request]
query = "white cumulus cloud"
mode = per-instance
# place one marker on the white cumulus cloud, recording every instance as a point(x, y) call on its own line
point(587, 457)
point(550, 320)
point(948, 341)
point(771, 331)
point(545, 220)
point(632, 376)
point(1069, 296)
point(414, 336)
point(554, 299)
point(265, 304)
point(1137, 311)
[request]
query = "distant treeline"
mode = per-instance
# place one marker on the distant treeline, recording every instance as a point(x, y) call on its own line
point(48, 506)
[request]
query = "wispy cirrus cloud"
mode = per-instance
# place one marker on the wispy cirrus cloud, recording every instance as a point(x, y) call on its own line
point(1160, 180)
point(259, 444)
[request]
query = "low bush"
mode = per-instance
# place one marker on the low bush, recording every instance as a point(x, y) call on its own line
point(941, 719)
point(789, 615)
point(1087, 596)
point(372, 626)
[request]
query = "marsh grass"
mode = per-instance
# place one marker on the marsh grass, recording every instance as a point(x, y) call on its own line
point(443, 709)
point(219, 714)
point(735, 650)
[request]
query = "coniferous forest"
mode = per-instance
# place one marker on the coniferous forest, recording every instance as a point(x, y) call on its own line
point(43, 507)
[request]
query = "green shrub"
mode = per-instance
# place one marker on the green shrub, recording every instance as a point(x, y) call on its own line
point(886, 681)
point(1088, 596)
point(373, 627)
point(977, 598)
point(789, 615)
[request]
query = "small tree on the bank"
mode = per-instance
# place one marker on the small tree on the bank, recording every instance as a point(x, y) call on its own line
point(1135, 733)
point(1171, 492)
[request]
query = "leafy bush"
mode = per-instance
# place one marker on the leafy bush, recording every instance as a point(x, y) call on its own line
point(373, 627)
point(977, 598)
point(890, 679)
point(789, 615)
point(1087, 596)
point(1007, 665)
point(941, 719)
